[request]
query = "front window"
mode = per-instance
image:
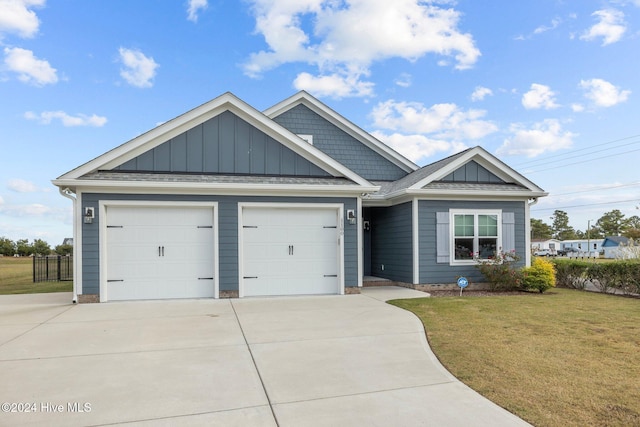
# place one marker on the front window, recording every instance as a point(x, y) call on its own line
point(475, 234)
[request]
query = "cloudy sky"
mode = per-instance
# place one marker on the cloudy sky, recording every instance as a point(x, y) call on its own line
point(549, 86)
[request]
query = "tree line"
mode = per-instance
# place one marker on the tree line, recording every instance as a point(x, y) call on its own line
point(23, 247)
point(613, 223)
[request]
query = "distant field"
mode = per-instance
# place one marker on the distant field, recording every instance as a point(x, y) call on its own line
point(16, 277)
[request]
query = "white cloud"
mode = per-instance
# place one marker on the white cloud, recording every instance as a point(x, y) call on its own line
point(17, 17)
point(334, 85)
point(577, 108)
point(1, 201)
point(343, 39)
point(611, 27)
point(139, 70)
point(480, 93)
point(22, 186)
point(544, 28)
point(46, 117)
point(404, 80)
point(539, 96)
point(34, 209)
point(195, 6)
point(418, 148)
point(543, 137)
point(29, 68)
point(602, 93)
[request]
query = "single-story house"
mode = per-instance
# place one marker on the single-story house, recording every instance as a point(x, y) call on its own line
point(583, 245)
point(551, 244)
point(228, 201)
point(619, 247)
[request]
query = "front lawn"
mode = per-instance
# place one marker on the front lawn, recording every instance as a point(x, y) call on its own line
point(564, 358)
point(16, 277)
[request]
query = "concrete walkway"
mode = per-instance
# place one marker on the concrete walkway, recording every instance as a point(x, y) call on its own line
point(295, 361)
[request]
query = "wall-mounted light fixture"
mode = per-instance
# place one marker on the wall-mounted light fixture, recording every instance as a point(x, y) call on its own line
point(351, 216)
point(89, 214)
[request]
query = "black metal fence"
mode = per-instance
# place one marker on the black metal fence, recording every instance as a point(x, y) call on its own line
point(53, 268)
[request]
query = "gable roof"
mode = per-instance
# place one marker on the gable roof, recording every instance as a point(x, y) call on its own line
point(427, 180)
point(615, 241)
point(226, 102)
point(345, 125)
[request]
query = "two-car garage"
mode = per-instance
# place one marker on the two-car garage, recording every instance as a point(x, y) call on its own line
point(172, 250)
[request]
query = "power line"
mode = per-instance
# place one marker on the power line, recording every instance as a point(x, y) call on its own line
point(591, 190)
point(585, 205)
point(583, 161)
point(545, 159)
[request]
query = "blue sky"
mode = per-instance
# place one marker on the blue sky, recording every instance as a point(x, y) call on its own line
point(550, 87)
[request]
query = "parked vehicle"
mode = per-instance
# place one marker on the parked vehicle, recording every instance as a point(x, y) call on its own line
point(567, 251)
point(544, 252)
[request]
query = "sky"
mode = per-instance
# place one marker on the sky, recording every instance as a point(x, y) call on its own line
point(551, 87)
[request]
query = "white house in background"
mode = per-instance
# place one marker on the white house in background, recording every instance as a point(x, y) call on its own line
point(551, 244)
point(583, 245)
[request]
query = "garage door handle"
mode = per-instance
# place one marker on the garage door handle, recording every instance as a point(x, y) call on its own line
point(160, 250)
point(163, 251)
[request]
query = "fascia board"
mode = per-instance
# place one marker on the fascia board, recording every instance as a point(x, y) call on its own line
point(486, 160)
point(208, 188)
point(345, 125)
point(198, 115)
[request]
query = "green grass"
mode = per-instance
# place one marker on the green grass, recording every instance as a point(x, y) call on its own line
point(16, 277)
point(563, 358)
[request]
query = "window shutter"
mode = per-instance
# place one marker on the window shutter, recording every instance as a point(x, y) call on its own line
point(443, 242)
point(508, 231)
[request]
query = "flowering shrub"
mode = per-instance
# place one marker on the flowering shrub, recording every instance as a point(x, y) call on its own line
point(541, 276)
point(501, 271)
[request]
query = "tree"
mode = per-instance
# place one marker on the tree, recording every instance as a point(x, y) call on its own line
point(612, 223)
point(64, 249)
point(40, 247)
point(560, 226)
point(23, 248)
point(540, 230)
point(7, 247)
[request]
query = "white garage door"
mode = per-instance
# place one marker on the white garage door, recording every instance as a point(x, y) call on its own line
point(290, 251)
point(159, 252)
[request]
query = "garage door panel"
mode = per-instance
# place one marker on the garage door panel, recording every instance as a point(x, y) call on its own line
point(159, 252)
point(290, 251)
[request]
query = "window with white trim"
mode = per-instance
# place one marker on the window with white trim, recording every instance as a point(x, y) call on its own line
point(475, 233)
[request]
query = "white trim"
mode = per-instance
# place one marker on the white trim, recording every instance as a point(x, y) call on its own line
point(527, 234)
point(360, 242)
point(338, 207)
point(103, 204)
point(415, 225)
point(77, 245)
point(475, 213)
point(345, 125)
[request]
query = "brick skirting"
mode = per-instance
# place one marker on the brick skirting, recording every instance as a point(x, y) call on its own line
point(427, 287)
point(228, 294)
point(88, 299)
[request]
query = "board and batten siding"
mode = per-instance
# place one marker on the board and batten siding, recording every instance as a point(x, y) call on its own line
point(227, 234)
point(341, 146)
point(223, 144)
point(434, 255)
point(391, 243)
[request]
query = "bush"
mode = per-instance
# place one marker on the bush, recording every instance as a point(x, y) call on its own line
point(571, 273)
point(541, 276)
point(618, 275)
point(501, 271)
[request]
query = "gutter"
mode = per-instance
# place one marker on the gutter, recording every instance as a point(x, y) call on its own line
point(66, 192)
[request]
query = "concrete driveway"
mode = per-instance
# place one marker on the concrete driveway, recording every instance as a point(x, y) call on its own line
point(296, 361)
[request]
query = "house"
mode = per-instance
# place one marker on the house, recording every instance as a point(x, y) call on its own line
point(552, 244)
point(583, 245)
point(228, 201)
point(619, 247)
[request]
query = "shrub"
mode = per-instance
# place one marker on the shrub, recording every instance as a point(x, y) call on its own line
point(501, 271)
point(541, 276)
point(571, 273)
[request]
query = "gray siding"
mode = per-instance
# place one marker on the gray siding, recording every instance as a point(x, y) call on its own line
point(227, 238)
point(472, 172)
point(225, 144)
point(391, 243)
point(431, 271)
point(342, 147)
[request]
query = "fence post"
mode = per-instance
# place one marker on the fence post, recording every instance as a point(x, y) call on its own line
point(34, 269)
point(58, 268)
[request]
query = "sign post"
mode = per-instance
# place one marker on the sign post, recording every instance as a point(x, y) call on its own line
point(462, 283)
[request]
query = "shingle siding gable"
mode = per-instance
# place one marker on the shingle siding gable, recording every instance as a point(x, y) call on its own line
point(336, 143)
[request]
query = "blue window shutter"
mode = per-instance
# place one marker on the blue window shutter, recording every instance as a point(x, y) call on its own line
point(442, 237)
point(508, 231)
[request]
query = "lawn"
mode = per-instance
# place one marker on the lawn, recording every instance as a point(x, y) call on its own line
point(564, 358)
point(16, 277)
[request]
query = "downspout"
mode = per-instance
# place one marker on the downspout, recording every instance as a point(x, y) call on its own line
point(66, 192)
